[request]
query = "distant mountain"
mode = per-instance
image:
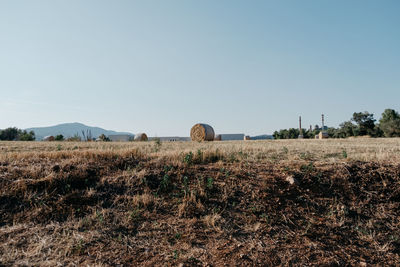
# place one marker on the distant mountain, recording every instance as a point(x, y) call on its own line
point(70, 129)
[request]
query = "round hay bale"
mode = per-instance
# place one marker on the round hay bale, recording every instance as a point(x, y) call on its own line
point(49, 138)
point(140, 137)
point(202, 132)
point(218, 137)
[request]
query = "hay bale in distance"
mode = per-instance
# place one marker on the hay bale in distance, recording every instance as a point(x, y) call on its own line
point(49, 138)
point(140, 137)
point(218, 137)
point(202, 132)
point(246, 137)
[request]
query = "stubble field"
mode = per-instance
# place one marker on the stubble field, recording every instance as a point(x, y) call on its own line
point(293, 202)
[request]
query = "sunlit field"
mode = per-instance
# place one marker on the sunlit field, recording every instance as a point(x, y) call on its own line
point(275, 202)
point(376, 149)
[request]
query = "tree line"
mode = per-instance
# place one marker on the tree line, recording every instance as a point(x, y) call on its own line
point(15, 134)
point(361, 124)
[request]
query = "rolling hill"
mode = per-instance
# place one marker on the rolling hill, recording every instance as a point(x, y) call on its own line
point(70, 129)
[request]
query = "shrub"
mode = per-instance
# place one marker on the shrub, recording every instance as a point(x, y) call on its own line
point(59, 137)
point(188, 159)
point(157, 144)
point(104, 138)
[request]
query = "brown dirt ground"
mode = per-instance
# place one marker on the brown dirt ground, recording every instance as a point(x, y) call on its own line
point(131, 210)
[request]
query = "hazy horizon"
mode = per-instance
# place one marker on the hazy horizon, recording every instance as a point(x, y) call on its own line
point(161, 66)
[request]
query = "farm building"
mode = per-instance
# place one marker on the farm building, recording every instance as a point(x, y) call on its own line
point(120, 137)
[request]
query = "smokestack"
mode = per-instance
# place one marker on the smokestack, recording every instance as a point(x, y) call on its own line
point(300, 124)
point(323, 122)
point(300, 130)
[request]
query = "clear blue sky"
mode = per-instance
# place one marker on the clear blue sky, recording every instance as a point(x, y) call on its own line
point(161, 66)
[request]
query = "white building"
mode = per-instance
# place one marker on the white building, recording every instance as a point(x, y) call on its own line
point(120, 137)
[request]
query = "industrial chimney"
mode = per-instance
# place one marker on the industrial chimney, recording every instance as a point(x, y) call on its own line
point(300, 130)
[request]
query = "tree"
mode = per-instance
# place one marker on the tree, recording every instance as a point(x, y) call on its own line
point(390, 123)
point(9, 134)
point(365, 123)
point(292, 133)
point(332, 132)
point(25, 136)
point(104, 138)
point(347, 129)
point(59, 137)
point(15, 134)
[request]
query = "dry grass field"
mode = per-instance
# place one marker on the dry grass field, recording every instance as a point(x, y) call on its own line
point(289, 202)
